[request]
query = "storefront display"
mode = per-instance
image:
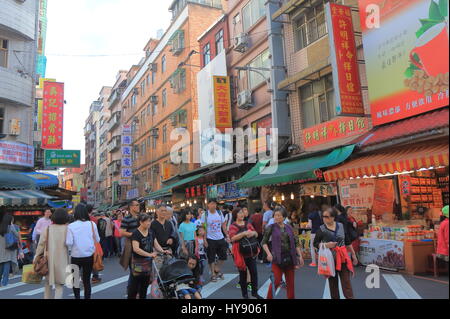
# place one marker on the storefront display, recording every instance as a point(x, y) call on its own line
point(383, 253)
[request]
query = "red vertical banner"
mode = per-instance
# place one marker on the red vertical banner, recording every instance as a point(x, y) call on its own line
point(347, 84)
point(53, 115)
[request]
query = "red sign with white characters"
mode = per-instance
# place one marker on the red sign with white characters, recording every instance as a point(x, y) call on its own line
point(52, 116)
point(343, 56)
point(341, 127)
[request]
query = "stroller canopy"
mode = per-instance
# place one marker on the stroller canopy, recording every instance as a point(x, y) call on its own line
point(175, 270)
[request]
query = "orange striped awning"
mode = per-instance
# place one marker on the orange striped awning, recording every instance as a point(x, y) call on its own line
point(406, 159)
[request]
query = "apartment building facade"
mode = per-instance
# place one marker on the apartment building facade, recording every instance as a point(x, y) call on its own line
point(310, 74)
point(18, 36)
point(162, 95)
point(114, 135)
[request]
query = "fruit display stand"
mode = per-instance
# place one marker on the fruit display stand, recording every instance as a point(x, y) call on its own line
point(416, 256)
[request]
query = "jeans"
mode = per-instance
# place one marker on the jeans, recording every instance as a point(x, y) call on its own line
point(289, 274)
point(139, 285)
point(251, 265)
point(85, 264)
point(4, 273)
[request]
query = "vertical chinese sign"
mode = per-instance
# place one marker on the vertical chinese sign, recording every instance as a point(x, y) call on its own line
point(52, 115)
point(406, 57)
point(126, 167)
point(222, 102)
point(343, 57)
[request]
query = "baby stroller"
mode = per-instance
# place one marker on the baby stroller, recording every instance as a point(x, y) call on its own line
point(173, 273)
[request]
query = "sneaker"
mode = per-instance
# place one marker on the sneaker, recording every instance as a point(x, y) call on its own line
point(312, 265)
point(238, 286)
point(213, 279)
point(249, 287)
point(220, 276)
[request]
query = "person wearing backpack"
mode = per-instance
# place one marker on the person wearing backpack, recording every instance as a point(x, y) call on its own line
point(9, 244)
point(245, 251)
point(285, 254)
point(217, 242)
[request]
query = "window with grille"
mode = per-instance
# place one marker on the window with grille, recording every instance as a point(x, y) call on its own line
point(207, 54)
point(182, 117)
point(252, 12)
point(3, 53)
point(261, 61)
point(163, 64)
point(164, 133)
point(164, 98)
point(2, 119)
point(143, 88)
point(318, 103)
point(154, 140)
point(310, 25)
point(219, 42)
point(178, 81)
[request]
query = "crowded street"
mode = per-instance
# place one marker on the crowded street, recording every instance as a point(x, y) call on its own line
point(208, 151)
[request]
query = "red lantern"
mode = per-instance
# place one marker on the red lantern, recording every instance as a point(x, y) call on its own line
point(188, 194)
point(193, 191)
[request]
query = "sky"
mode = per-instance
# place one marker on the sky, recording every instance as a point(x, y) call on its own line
point(79, 28)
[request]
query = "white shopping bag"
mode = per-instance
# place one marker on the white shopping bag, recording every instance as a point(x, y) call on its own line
point(326, 262)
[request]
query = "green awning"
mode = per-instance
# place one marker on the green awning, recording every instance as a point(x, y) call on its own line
point(23, 198)
point(254, 171)
point(167, 190)
point(302, 169)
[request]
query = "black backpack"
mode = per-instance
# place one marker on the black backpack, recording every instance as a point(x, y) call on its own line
point(248, 246)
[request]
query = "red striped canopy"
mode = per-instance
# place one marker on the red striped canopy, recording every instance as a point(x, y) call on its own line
point(396, 161)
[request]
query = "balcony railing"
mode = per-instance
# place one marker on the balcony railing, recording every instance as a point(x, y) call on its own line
point(114, 167)
point(115, 120)
point(114, 144)
point(115, 96)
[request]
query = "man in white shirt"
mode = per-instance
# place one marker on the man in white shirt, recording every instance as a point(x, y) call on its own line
point(216, 242)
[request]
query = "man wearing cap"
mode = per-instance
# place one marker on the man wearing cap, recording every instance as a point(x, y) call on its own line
point(442, 244)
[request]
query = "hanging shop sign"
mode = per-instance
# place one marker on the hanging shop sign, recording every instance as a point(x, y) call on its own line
point(52, 116)
point(342, 127)
point(61, 158)
point(39, 96)
point(32, 213)
point(383, 201)
point(358, 194)
point(318, 189)
point(126, 167)
point(222, 102)
point(406, 57)
point(343, 57)
point(227, 191)
point(383, 253)
point(16, 154)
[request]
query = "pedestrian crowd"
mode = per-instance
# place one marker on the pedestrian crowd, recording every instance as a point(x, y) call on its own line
point(202, 239)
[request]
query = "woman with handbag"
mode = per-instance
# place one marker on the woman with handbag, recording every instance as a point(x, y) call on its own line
point(245, 251)
point(145, 248)
point(332, 234)
point(285, 255)
point(82, 237)
point(9, 245)
point(52, 250)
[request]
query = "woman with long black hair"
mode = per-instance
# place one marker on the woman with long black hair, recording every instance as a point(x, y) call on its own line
point(81, 237)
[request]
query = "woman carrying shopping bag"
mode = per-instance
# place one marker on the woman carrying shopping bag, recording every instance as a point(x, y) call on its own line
point(52, 244)
point(332, 236)
point(285, 255)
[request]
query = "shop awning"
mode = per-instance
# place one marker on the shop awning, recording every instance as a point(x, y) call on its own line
point(396, 161)
point(42, 180)
point(11, 180)
point(23, 198)
point(302, 169)
point(167, 190)
point(408, 128)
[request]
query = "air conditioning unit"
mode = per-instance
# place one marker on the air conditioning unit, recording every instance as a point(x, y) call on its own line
point(244, 100)
point(153, 67)
point(154, 99)
point(241, 42)
point(154, 132)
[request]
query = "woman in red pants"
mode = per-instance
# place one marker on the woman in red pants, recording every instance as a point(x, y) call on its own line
point(286, 255)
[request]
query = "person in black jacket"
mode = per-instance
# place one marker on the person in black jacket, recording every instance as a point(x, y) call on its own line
point(342, 218)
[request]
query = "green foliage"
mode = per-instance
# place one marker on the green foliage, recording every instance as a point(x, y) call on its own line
point(412, 67)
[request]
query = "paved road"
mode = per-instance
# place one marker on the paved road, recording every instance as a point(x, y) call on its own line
point(308, 285)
